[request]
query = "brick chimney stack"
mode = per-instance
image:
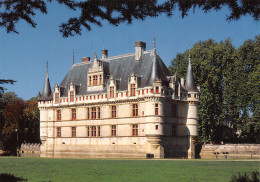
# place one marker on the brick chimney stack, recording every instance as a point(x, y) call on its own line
point(139, 49)
point(85, 59)
point(104, 53)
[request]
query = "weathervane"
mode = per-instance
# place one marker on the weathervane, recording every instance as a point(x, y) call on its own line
point(73, 56)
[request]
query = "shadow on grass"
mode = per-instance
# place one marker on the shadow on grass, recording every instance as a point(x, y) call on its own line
point(7, 177)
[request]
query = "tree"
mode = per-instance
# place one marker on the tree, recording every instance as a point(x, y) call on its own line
point(116, 12)
point(3, 81)
point(229, 82)
point(18, 118)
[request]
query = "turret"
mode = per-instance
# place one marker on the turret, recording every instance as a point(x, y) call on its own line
point(192, 111)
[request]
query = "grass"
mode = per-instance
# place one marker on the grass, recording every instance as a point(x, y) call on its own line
point(42, 169)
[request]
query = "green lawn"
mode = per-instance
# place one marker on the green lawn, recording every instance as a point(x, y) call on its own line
point(41, 169)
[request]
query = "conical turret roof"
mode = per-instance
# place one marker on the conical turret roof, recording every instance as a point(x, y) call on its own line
point(46, 92)
point(190, 84)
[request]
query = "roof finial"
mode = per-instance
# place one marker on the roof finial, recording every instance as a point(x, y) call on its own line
point(47, 68)
point(154, 41)
point(73, 57)
point(189, 55)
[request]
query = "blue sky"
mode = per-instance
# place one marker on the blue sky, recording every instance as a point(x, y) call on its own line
point(23, 56)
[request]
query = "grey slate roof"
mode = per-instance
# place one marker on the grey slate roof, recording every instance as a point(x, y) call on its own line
point(190, 84)
point(46, 92)
point(120, 68)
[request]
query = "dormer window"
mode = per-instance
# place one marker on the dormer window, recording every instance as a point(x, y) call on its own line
point(132, 90)
point(89, 80)
point(95, 80)
point(100, 79)
point(111, 92)
point(157, 90)
point(57, 98)
point(71, 96)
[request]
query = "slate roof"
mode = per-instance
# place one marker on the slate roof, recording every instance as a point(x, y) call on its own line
point(190, 84)
point(121, 68)
point(46, 92)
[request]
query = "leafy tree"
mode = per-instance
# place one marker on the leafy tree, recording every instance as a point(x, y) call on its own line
point(116, 12)
point(228, 80)
point(18, 118)
point(3, 81)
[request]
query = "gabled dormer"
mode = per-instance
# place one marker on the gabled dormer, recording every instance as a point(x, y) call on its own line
point(56, 94)
point(71, 93)
point(111, 89)
point(132, 84)
point(95, 75)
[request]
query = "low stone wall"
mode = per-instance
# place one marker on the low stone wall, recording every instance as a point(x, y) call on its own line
point(30, 150)
point(230, 151)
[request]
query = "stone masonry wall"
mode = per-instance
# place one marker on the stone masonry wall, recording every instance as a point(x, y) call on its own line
point(230, 151)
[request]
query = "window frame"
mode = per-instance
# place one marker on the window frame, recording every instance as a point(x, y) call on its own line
point(135, 130)
point(113, 111)
point(112, 92)
point(72, 99)
point(93, 113)
point(73, 131)
point(57, 98)
point(73, 114)
point(156, 109)
point(59, 115)
point(58, 132)
point(135, 110)
point(132, 90)
point(113, 130)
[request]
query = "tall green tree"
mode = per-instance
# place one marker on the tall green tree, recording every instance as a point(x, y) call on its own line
point(229, 83)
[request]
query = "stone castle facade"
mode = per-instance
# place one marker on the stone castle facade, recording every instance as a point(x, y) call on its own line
point(127, 106)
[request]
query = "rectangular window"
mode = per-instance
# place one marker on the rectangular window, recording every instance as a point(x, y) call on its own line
point(142, 92)
point(132, 91)
point(135, 130)
point(111, 92)
point(95, 80)
point(74, 115)
point(151, 90)
point(88, 113)
point(88, 131)
point(173, 130)
point(93, 113)
point(113, 130)
point(58, 115)
point(57, 98)
point(135, 110)
point(59, 132)
point(94, 132)
point(99, 132)
point(156, 127)
point(174, 110)
point(89, 80)
point(157, 90)
point(72, 96)
point(98, 112)
point(73, 130)
point(113, 111)
point(156, 109)
point(100, 79)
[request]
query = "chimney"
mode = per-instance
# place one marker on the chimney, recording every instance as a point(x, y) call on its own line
point(104, 53)
point(85, 59)
point(139, 49)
